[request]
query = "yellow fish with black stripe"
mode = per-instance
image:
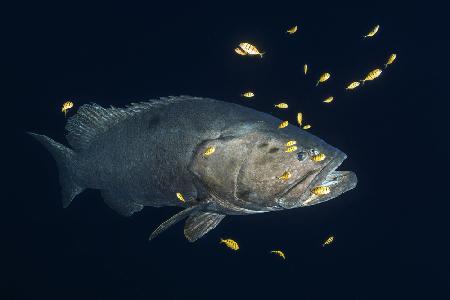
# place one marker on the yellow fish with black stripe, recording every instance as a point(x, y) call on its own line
point(66, 106)
point(292, 30)
point(352, 85)
point(283, 124)
point(232, 244)
point(286, 175)
point(324, 77)
point(390, 60)
point(250, 49)
point(279, 253)
point(282, 105)
point(372, 75)
point(329, 99)
point(373, 31)
point(328, 241)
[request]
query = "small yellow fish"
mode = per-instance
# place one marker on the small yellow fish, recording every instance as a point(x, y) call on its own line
point(299, 118)
point(307, 126)
point(180, 197)
point(248, 94)
point(323, 78)
point(390, 60)
point(291, 143)
point(281, 105)
point(286, 175)
point(233, 245)
point(319, 157)
point(372, 75)
point(328, 241)
point(373, 32)
point(283, 124)
point(320, 190)
point(66, 106)
point(240, 51)
point(209, 151)
point(292, 30)
point(279, 253)
point(352, 85)
point(329, 99)
point(291, 149)
point(305, 69)
point(250, 49)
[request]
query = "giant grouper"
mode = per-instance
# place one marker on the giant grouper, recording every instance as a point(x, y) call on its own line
point(146, 153)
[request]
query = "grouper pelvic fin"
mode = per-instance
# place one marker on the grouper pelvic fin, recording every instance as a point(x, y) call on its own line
point(64, 157)
point(200, 223)
point(175, 219)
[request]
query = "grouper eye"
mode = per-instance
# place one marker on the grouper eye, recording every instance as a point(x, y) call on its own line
point(301, 156)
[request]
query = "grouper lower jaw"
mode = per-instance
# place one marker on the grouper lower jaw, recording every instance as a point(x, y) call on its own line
point(339, 183)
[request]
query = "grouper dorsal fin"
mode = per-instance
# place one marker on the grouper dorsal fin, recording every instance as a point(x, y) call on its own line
point(175, 219)
point(92, 120)
point(200, 223)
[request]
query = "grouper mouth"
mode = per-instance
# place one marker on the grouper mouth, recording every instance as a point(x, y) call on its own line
point(337, 181)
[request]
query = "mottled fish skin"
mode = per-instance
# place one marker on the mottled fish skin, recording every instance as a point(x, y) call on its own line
point(142, 155)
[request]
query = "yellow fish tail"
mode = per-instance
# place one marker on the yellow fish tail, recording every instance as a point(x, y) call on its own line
point(261, 54)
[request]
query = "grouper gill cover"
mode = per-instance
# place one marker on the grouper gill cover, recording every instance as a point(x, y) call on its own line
point(146, 153)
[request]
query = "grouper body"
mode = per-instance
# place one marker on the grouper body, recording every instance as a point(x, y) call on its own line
point(144, 154)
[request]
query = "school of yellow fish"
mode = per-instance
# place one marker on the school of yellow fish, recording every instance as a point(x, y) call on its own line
point(248, 49)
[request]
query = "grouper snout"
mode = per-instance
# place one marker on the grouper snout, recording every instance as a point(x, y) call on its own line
point(300, 193)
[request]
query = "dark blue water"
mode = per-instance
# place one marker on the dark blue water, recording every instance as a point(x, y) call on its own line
point(390, 232)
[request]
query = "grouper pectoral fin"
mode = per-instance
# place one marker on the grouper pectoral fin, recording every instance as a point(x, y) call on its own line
point(200, 223)
point(175, 219)
point(121, 203)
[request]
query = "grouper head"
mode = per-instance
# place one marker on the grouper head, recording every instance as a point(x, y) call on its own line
point(244, 174)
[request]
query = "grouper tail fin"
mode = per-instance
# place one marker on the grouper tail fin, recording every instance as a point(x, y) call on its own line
point(64, 157)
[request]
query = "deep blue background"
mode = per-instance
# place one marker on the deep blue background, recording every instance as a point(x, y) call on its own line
point(391, 231)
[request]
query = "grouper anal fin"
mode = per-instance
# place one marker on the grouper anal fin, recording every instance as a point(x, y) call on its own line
point(200, 223)
point(175, 219)
point(121, 203)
